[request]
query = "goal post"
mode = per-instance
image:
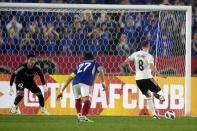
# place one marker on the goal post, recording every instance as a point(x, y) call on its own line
point(188, 60)
point(69, 49)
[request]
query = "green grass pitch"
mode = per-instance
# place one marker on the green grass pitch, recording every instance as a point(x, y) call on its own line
point(101, 123)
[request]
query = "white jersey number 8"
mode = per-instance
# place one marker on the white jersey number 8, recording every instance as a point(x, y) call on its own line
point(140, 63)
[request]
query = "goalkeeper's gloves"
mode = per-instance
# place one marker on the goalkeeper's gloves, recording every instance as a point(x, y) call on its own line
point(45, 88)
point(11, 91)
point(103, 85)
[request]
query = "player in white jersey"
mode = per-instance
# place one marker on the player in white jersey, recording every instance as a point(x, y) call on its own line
point(144, 66)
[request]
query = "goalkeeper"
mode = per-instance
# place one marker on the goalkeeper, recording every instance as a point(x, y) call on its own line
point(83, 79)
point(24, 78)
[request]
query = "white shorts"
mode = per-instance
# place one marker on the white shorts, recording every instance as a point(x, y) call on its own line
point(81, 90)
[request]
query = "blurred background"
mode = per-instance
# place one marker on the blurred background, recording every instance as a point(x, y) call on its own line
point(62, 35)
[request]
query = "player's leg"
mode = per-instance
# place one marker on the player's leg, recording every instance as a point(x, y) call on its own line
point(85, 93)
point(159, 96)
point(19, 96)
point(36, 90)
point(157, 92)
point(78, 106)
point(78, 101)
point(144, 88)
point(86, 106)
point(151, 105)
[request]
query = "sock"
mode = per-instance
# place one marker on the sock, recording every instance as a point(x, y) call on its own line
point(18, 99)
point(151, 106)
point(160, 93)
point(78, 105)
point(41, 99)
point(86, 107)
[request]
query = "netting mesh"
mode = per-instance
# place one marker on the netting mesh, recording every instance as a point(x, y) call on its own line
point(59, 37)
point(72, 32)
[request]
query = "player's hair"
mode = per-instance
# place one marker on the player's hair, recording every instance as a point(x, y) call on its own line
point(88, 56)
point(30, 55)
point(145, 44)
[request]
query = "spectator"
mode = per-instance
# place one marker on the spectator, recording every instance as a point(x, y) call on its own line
point(182, 2)
point(111, 23)
point(66, 46)
point(125, 2)
point(2, 43)
point(14, 28)
point(41, 22)
point(27, 43)
point(34, 30)
point(1, 36)
point(87, 22)
point(165, 2)
point(49, 32)
point(150, 30)
point(113, 30)
point(52, 46)
point(165, 46)
point(194, 44)
point(104, 32)
point(45, 25)
point(33, 27)
point(94, 44)
point(51, 37)
point(132, 33)
point(123, 48)
point(11, 45)
point(169, 28)
point(78, 36)
point(194, 17)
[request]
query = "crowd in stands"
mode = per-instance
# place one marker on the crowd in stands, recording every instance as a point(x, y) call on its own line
point(101, 33)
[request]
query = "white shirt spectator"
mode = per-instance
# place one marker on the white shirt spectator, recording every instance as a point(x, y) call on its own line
point(14, 28)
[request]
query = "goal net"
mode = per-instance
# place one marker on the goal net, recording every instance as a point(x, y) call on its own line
point(59, 34)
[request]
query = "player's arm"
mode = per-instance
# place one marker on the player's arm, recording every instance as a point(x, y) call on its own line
point(127, 63)
point(154, 69)
point(10, 90)
point(129, 59)
point(12, 79)
point(41, 75)
point(20, 69)
point(101, 75)
point(16, 72)
point(70, 78)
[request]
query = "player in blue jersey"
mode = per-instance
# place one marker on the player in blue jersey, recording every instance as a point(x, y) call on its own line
point(83, 79)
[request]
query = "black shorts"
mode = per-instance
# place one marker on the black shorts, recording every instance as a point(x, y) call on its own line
point(20, 86)
point(148, 84)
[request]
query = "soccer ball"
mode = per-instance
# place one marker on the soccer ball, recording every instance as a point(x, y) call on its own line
point(13, 110)
point(170, 115)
